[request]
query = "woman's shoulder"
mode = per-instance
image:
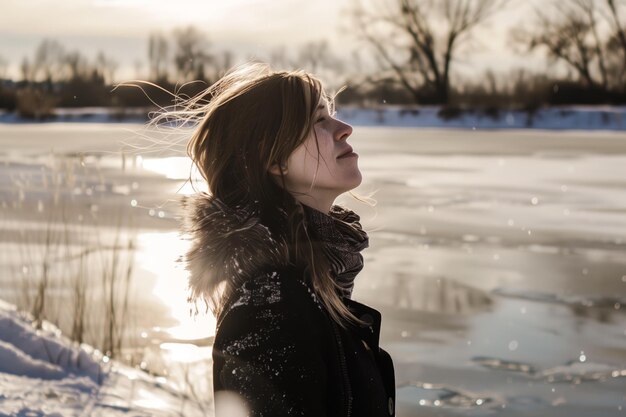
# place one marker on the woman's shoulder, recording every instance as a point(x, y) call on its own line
point(270, 351)
point(283, 291)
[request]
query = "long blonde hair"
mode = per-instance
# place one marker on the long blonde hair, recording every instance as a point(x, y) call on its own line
point(249, 120)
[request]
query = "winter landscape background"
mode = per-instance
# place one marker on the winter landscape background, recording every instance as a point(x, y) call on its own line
point(492, 134)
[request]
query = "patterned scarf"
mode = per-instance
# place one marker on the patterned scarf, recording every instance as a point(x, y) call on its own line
point(342, 240)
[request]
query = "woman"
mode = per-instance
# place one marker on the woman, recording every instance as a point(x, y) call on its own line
point(275, 259)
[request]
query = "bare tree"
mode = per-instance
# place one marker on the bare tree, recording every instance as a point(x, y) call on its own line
point(158, 52)
point(619, 29)
point(3, 67)
point(316, 55)
point(191, 56)
point(571, 31)
point(617, 42)
point(417, 40)
point(26, 68)
point(616, 65)
point(48, 61)
point(318, 58)
point(76, 65)
point(106, 66)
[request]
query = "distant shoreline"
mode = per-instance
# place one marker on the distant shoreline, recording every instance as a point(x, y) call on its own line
point(612, 118)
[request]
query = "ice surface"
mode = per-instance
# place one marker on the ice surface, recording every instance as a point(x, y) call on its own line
point(491, 253)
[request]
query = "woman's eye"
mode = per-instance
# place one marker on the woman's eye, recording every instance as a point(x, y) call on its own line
point(321, 119)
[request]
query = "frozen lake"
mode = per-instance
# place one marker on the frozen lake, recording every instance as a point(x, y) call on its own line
point(498, 258)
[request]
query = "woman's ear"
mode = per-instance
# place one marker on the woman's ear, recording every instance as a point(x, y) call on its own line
point(277, 170)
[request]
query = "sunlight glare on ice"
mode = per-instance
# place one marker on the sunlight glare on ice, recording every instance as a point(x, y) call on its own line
point(158, 253)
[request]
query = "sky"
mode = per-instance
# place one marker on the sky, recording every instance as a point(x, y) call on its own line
point(120, 28)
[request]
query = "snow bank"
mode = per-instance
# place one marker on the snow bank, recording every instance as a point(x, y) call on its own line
point(552, 118)
point(44, 353)
point(42, 373)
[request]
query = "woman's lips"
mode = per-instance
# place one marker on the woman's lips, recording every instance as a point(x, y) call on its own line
point(348, 155)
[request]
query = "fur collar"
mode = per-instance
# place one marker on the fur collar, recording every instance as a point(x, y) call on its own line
point(227, 241)
point(231, 244)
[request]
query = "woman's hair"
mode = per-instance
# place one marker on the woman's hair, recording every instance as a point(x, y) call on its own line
point(253, 119)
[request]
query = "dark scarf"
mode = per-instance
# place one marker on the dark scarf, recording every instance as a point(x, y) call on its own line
point(342, 239)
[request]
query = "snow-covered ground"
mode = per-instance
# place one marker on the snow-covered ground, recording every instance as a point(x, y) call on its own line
point(43, 373)
point(552, 118)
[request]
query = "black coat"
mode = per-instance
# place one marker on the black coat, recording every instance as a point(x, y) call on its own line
point(279, 351)
point(276, 348)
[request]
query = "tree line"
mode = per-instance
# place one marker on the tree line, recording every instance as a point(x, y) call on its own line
point(409, 55)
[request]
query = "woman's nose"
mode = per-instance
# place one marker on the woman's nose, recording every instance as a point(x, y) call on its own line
point(344, 130)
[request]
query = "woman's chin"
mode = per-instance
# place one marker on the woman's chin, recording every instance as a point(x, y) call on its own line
point(355, 183)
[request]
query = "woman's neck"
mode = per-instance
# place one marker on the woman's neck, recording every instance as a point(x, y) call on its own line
point(319, 204)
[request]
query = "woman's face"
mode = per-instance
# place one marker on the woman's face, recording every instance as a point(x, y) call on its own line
point(332, 171)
